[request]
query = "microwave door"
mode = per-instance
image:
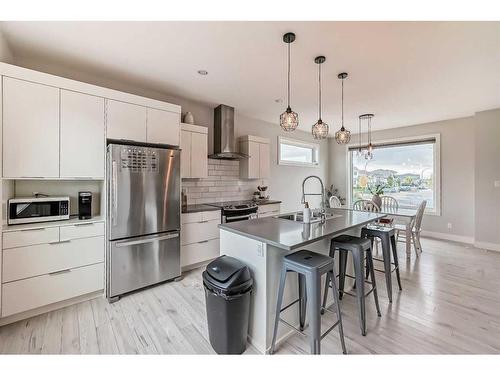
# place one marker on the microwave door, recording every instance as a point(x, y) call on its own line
point(144, 190)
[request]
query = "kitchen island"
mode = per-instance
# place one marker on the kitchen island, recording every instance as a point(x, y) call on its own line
point(262, 243)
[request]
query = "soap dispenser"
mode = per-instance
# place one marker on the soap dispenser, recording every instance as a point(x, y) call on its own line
point(306, 215)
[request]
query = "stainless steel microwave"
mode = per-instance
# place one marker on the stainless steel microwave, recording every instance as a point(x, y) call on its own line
point(39, 209)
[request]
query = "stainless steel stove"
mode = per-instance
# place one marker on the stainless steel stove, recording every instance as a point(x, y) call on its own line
point(237, 210)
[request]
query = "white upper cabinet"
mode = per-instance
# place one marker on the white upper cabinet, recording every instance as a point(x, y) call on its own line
point(163, 127)
point(83, 141)
point(126, 121)
point(194, 150)
point(30, 129)
point(258, 163)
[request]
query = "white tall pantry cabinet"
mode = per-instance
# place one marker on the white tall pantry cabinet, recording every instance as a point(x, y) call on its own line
point(82, 135)
point(194, 146)
point(30, 129)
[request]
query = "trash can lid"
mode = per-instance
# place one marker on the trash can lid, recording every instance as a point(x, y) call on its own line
point(227, 274)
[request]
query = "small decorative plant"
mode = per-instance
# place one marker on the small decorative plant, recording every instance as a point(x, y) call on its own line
point(376, 189)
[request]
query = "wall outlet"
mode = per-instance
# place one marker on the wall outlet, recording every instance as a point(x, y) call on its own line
point(260, 250)
point(497, 184)
point(450, 226)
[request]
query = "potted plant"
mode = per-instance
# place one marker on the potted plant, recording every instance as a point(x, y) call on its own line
point(376, 190)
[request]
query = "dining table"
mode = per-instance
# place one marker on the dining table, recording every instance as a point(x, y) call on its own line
point(405, 216)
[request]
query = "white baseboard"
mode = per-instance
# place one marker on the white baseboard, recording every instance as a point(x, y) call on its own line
point(487, 245)
point(448, 237)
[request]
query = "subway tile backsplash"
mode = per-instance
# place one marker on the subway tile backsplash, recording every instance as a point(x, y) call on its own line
point(223, 184)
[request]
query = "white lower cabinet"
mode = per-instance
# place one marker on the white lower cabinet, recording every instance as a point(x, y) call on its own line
point(266, 210)
point(199, 237)
point(45, 265)
point(28, 294)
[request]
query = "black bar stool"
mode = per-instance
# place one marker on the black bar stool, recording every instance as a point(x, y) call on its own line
point(387, 236)
point(309, 266)
point(358, 247)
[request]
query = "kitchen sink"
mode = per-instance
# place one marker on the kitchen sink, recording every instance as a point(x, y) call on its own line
point(297, 216)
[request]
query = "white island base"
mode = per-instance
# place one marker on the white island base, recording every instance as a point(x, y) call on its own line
point(265, 262)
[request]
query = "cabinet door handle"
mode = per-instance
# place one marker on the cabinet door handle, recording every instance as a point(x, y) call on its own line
point(204, 241)
point(59, 272)
point(31, 230)
point(83, 224)
point(59, 242)
point(204, 221)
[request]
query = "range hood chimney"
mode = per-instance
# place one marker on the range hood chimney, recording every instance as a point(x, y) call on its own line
point(224, 142)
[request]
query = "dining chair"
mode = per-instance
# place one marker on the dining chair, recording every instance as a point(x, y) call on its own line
point(365, 205)
point(389, 203)
point(416, 228)
point(334, 202)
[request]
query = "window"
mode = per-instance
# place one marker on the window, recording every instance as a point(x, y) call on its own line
point(407, 170)
point(298, 153)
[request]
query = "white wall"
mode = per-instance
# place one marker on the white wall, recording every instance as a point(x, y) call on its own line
point(457, 172)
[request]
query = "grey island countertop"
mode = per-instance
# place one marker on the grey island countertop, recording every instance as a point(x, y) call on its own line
point(291, 235)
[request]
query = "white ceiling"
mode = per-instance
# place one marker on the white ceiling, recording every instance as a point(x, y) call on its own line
point(404, 72)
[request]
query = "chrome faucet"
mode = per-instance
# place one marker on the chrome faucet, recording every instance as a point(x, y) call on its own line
point(322, 212)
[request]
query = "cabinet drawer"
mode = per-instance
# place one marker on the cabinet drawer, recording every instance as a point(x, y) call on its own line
point(27, 294)
point(269, 208)
point(196, 232)
point(81, 230)
point(199, 252)
point(29, 261)
point(30, 237)
point(197, 217)
point(193, 217)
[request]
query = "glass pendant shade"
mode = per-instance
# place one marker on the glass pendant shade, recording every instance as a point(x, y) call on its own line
point(289, 120)
point(320, 130)
point(343, 136)
point(369, 152)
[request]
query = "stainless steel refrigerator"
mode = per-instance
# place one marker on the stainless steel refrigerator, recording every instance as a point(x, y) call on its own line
point(143, 226)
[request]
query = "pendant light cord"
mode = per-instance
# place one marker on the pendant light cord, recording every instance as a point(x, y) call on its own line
point(342, 99)
point(359, 134)
point(319, 81)
point(288, 74)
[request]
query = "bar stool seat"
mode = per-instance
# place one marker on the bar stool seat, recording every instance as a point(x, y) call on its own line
point(310, 267)
point(387, 236)
point(359, 248)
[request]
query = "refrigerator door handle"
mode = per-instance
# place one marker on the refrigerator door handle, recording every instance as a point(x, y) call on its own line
point(114, 188)
point(147, 240)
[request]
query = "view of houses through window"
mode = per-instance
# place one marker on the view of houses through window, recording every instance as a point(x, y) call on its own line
point(403, 171)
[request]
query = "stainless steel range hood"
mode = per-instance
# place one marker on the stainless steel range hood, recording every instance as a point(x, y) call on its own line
point(224, 142)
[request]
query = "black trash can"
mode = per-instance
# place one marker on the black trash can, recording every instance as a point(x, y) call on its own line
point(228, 287)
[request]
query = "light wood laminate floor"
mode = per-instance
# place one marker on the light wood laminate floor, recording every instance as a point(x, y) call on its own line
point(450, 303)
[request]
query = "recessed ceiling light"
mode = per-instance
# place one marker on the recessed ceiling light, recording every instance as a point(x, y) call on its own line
point(278, 100)
point(202, 72)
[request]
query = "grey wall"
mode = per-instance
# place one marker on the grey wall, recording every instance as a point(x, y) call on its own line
point(457, 172)
point(486, 172)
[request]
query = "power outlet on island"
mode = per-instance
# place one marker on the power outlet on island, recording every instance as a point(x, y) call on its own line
point(450, 226)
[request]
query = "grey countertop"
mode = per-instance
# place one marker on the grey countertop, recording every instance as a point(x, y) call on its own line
point(291, 235)
point(190, 208)
point(266, 201)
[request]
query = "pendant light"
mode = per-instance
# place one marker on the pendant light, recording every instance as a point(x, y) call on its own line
point(369, 149)
point(320, 129)
point(289, 120)
point(343, 136)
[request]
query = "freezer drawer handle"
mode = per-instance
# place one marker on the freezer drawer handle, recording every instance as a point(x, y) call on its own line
point(59, 272)
point(139, 242)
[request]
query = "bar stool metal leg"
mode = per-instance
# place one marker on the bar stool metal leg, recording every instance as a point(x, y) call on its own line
point(386, 252)
point(313, 285)
point(396, 261)
point(279, 301)
point(342, 269)
point(336, 301)
point(358, 261)
point(374, 285)
point(302, 301)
